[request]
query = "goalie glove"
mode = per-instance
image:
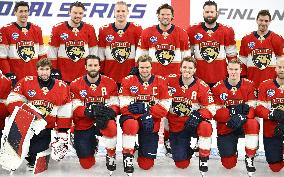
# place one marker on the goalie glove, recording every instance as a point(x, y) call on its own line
point(59, 147)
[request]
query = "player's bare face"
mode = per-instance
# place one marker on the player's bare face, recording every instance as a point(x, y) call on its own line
point(121, 13)
point(44, 72)
point(145, 69)
point(187, 70)
point(234, 72)
point(22, 14)
point(263, 22)
point(92, 67)
point(165, 17)
point(210, 14)
point(76, 14)
point(280, 68)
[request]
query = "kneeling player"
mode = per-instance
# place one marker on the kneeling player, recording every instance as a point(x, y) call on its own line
point(95, 104)
point(235, 102)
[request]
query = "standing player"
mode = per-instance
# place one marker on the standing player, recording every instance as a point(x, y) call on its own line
point(52, 98)
point(192, 107)
point(212, 44)
point(71, 41)
point(260, 49)
point(21, 45)
point(235, 102)
point(270, 108)
point(144, 100)
point(117, 44)
point(95, 100)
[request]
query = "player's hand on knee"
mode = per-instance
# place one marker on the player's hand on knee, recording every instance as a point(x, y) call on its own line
point(147, 122)
point(236, 121)
point(89, 111)
point(101, 110)
point(279, 131)
point(277, 115)
point(193, 121)
point(239, 109)
point(138, 108)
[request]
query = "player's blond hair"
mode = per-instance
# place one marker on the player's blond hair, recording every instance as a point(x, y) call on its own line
point(188, 59)
point(122, 3)
point(144, 58)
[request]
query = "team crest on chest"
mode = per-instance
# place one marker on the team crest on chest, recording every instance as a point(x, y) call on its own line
point(44, 106)
point(209, 50)
point(165, 53)
point(261, 58)
point(25, 50)
point(181, 106)
point(75, 50)
point(120, 51)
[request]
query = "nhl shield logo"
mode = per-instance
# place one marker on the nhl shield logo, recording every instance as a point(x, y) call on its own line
point(25, 50)
point(261, 58)
point(75, 50)
point(165, 53)
point(209, 50)
point(120, 51)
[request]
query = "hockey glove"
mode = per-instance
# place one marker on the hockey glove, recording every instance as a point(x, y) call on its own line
point(277, 115)
point(12, 77)
point(55, 74)
point(236, 121)
point(147, 123)
point(134, 71)
point(279, 131)
point(239, 109)
point(101, 110)
point(89, 112)
point(59, 147)
point(138, 108)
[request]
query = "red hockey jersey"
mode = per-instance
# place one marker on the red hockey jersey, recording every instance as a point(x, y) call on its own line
point(84, 93)
point(6, 86)
point(117, 49)
point(211, 48)
point(69, 46)
point(226, 95)
point(54, 102)
point(259, 54)
point(20, 49)
point(154, 92)
point(186, 98)
point(167, 48)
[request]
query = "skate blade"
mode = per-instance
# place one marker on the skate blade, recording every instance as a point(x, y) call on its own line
point(202, 173)
point(110, 173)
point(250, 174)
point(129, 174)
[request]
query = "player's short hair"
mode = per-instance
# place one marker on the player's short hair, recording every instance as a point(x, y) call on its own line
point(210, 3)
point(144, 58)
point(122, 3)
point(264, 13)
point(188, 59)
point(44, 62)
point(165, 6)
point(21, 3)
point(234, 61)
point(92, 57)
point(77, 4)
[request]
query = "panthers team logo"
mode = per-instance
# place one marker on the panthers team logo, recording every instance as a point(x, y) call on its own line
point(209, 50)
point(45, 107)
point(181, 106)
point(165, 53)
point(25, 50)
point(75, 50)
point(120, 51)
point(94, 101)
point(261, 58)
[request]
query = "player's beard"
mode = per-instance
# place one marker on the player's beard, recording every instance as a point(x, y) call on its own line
point(76, 21)
point(211, 20)
point(93, 74)
point(262, 28)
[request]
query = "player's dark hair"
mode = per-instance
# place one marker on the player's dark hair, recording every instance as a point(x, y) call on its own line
point(165, 6)
point(44, 62)
point(188, 59)
point(77, 4)
point(92, 57)
point(264, 13)
point(235, 61)
point(210, 3)
point(21, 3)
point(144, 58)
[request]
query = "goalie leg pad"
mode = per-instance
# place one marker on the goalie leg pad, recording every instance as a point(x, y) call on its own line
point(148, 144)
point(227, 144)
point(180, 144)
point(85, 142)
point(87, 162)
point(42, 160)
point(273, 149)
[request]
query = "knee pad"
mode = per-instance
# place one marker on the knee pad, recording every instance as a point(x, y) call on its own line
point(87, 162)
point(182, 163)
point(251, 126)
point(110, 130)
point(145, 163)
point(229, 162)
point(204, 129)
point(130, 127)
point(276, 167)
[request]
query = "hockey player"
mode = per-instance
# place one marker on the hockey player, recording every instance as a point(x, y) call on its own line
point(212, 44)
point(270, 108)
point(192, 107)
point(235, 102)
point(144, 100)
point(117, 44)
point(95, 106)
point(21, 45)
point(52, 99)
point(71, 41)
point(5, 89)
point(260, 49)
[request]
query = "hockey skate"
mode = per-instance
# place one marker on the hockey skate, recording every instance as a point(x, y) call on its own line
point(168, 148)
point(203, 165)
point(110, 164)
point(128, 164)
point(250, 165)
